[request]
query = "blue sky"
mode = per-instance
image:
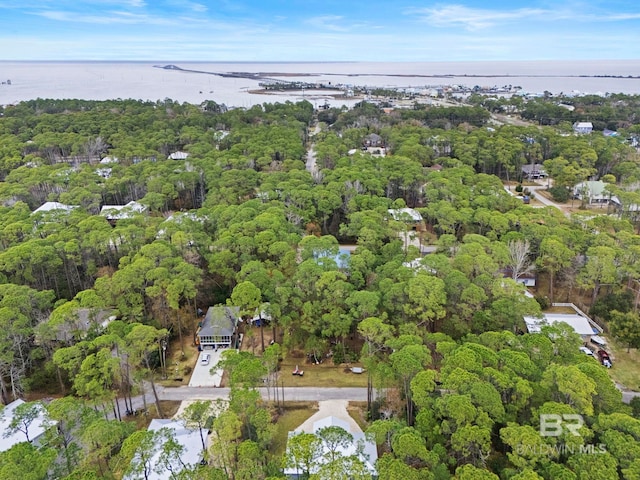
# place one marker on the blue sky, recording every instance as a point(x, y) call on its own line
point(330, 30)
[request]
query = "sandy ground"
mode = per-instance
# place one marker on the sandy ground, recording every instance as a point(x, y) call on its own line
point(331, 408)
point(217, 407)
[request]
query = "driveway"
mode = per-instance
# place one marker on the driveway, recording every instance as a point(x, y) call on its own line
point(330, 408)
point(202, 376)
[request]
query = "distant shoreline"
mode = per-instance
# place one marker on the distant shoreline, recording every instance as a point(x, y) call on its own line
point(269, 75)
point(229, 82)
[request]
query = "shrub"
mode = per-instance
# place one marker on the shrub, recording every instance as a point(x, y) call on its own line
point(519, 188)
point(635, 406)
point(559, 194)
point(622, 302)
point(543, 301)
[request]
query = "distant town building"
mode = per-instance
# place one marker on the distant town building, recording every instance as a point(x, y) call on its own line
point(178, 156)
point(373, 140)
point(405, 215)
point(119, 212)
point(533, 171)
point(53, 206)
point(583, 128)
point(594, 192)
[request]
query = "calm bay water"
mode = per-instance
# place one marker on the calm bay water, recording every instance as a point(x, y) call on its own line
point(110, 80)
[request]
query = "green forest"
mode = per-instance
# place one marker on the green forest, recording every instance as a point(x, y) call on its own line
point(257, 210)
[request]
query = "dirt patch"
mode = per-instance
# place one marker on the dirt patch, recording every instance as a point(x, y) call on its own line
point(142, 421)
point(179, 366)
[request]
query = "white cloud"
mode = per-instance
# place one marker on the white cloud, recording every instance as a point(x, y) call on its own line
point(479, 18)
point(473, 18)
point(189, 5)
point(108, 18)
point(327, 22)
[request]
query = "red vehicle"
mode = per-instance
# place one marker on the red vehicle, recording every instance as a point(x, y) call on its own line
point(605, 359)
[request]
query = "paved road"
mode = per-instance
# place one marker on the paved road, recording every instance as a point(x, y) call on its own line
point(542, 199)
point(290, 393)
point(628, 396)
point(545, 201)
point(311, 166)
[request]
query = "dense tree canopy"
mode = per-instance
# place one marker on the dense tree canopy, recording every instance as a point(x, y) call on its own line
point(455, 389)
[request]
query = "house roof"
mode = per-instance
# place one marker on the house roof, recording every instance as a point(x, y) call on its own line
point(84, 317)
point(404, 214)
point(361, 447)
point(220, 321)
point(36, 429)
point(583, 125)
point(50, 206)
point(579, 323)
point(595, 188)
point(373, 137)
point(118, 212)
point(178, 156)
point(262, 312)
point(535, 168)
point(189, 439)
point(342, 258)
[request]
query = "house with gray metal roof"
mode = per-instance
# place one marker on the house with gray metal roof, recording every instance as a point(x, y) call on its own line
point(218, 328)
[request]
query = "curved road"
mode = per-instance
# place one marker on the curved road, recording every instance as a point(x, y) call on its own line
point(545, 201)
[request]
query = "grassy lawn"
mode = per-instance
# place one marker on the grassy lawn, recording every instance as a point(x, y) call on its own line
point(168, 407)
point(626, 366)
point(293, 416)
point(567, 310)
point(358, 411)
point(324, 375)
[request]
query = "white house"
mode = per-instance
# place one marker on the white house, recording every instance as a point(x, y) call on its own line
point(533, 171)
point(35, 429)
point(161, 467)
point(583, 127)
point(405, 215)
point(118, 212)
point(594, 192)
point(178, 156)
point(361, 447)
point(53, 206)
point(579, 323)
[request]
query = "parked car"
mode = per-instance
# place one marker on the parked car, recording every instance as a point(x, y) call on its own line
point(605, 359)
point(586, 351)
point(204, 360)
